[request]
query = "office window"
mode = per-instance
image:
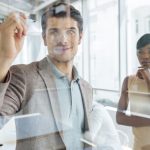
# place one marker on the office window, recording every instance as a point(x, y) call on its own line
point(137, 25)
point(103, 44)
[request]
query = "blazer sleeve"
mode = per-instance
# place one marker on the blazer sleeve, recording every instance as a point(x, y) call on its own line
point(12, 91)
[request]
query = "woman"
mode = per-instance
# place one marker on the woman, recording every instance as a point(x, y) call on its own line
point(134, 104)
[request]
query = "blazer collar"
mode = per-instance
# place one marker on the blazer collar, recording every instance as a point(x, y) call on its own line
point(59, 74)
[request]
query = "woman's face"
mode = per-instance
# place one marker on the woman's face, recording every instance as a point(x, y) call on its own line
point(143, 55)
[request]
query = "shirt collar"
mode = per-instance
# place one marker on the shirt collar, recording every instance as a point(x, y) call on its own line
point(60, 74)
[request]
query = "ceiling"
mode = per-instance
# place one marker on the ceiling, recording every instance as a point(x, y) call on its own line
point(26, 6)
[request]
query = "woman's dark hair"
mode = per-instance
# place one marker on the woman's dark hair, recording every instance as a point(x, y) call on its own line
point(61, 9)
point(143, 41)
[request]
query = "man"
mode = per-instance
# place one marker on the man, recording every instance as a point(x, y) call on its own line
point(135, 98)
point(52, 86)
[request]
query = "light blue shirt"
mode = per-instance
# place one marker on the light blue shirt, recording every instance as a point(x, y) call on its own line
point(71, 107)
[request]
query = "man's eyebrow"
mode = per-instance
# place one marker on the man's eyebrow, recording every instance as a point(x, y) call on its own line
point(72, 28)
point(55, 29)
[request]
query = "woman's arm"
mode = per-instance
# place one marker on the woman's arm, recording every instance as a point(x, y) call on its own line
point(128, 120)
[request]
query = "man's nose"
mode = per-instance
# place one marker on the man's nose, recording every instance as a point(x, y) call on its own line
point(63, 38)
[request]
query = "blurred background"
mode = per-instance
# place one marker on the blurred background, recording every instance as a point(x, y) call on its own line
point(108, 50)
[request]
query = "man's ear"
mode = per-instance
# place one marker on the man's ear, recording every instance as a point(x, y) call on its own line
point(80, 37)
point(44, 39)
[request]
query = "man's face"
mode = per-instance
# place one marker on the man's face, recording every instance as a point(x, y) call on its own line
point(144, 56)
point(62, 38)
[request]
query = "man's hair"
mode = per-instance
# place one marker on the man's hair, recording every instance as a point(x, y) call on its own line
point(143, 41)
point(61, 9)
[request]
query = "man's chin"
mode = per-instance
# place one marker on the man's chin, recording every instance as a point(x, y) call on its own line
point(65, 60)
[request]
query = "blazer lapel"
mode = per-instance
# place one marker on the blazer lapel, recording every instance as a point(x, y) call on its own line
point(48, 78)
point(86, 92)
point(87, 101)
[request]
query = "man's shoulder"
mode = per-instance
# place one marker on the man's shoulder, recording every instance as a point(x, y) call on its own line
point(85, 83)
point(26, 67)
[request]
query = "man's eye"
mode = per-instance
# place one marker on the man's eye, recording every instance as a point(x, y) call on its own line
point(53, 32)
point(139, 52)
point(72, 32)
